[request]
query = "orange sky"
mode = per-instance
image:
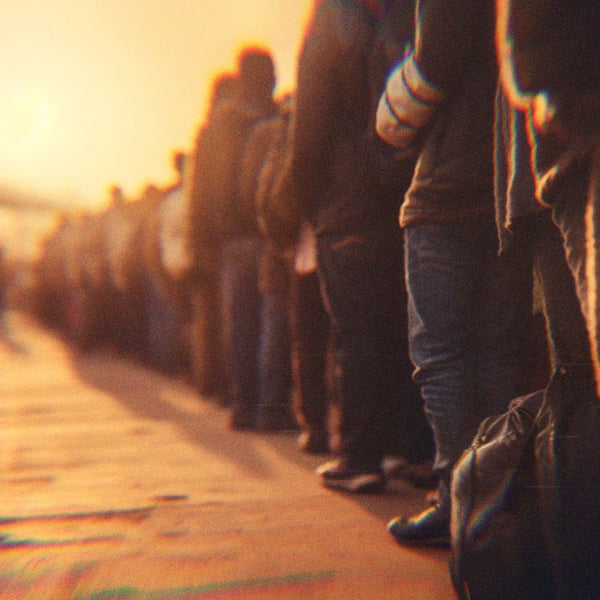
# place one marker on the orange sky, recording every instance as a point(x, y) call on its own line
point(100, 91)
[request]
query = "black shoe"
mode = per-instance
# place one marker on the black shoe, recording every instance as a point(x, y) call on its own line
point(313, 442)
point(429, 528)
point(336, 475)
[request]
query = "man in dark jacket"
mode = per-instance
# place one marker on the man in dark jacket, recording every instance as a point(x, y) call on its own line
point(219, 218)
point(359, 245)
point(550, 69)
point(463, 323)
point(235, 222)
point(204, 192)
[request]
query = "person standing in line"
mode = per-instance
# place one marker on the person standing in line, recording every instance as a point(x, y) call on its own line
point(358, 245)
point(290, 236)
point(550, 71)
point(274, 411)
point(236, 223)
point(526, 226)
point(202, 186)
point(465, 328)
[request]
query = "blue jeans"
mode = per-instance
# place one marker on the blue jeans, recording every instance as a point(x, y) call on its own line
point(466, 324)
point(576, 211)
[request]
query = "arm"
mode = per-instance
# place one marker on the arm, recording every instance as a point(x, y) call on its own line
point(315, 115)
point(549, 60)
point(446, 36)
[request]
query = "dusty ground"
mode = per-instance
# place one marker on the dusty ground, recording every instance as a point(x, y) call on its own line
point(120, 483)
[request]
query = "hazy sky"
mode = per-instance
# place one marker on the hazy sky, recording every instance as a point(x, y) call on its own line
point(100, 91)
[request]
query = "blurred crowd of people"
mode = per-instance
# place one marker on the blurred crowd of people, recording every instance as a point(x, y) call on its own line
point(274, 271)
point(215, 277)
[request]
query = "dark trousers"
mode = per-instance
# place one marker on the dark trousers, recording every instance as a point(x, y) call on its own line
point(363, 288)
point(309, 325)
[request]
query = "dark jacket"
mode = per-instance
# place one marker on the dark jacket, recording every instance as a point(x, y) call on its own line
point(550, 60)
point(455, 52)
point(217, 212)
point(251, 165)
point(514, 180)
point(335, 182)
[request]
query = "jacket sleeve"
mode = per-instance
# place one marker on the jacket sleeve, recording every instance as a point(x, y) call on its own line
point(315, 107)
point(445, 37)
point(550, 59)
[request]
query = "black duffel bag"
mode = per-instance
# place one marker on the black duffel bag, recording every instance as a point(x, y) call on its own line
point(525, 518)
point(498, 552)
point(567, 456)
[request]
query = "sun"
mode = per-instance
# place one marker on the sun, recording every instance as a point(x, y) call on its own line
point(26, 120)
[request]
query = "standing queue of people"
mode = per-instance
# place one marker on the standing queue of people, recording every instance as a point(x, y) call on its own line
point(219, 277)
point(356, 261)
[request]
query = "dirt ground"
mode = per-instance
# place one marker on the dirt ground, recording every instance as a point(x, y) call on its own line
point(117, 482)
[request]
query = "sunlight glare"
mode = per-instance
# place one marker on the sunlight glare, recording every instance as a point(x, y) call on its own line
point(26, 120)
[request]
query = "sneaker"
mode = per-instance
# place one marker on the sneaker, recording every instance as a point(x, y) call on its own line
point(336, 475)
point(430, 528)
point(393, 466)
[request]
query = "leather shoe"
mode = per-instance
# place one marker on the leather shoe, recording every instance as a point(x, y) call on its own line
point(429, 528)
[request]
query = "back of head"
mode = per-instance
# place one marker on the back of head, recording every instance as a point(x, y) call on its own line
point(225, 87)
point(116, 195)
point(256, 73)
point(179, 159)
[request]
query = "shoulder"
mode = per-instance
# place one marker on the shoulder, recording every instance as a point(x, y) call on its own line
point(341, 20)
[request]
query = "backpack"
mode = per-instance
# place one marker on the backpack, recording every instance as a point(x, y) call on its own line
point(525, 497)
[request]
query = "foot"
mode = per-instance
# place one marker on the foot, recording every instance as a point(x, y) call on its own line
point(337, 475)
point(313, 442)
point(429, 528)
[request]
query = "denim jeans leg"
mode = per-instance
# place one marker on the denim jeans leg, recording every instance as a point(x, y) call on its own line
point(567, 333)
point(576, 212)
point(463, 320)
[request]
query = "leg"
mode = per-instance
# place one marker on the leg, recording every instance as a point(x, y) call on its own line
point(361, 277)
point(310, 334)
point(462, 340)
point(274, 407)
point(241, 306)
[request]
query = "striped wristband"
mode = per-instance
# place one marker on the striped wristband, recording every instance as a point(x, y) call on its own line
point(406, 105)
